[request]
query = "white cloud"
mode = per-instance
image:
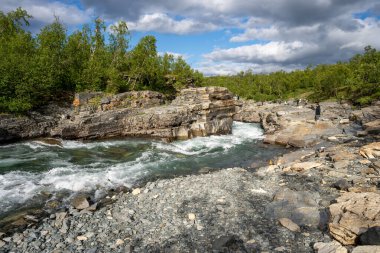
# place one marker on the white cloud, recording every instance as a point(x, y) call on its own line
point(296, 32)
point(272, 52)
point(210, 68)
point(176, 55)
point(44, 11)
point(161, 22)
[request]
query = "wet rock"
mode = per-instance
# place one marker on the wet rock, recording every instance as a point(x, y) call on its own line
point(353, 214)
point(370, 237)
point(289, 225)
point(330, 247)
point(51, 141)
point(52, 204)
point(80, 202)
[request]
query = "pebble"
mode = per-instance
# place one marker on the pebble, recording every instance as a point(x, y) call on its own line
point(119, 242)
point(136, 191)
point(289, 224)
point(191, 216)
point(82, 238)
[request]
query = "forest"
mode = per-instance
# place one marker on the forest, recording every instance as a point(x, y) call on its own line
point(53, 64)
point(356, 81)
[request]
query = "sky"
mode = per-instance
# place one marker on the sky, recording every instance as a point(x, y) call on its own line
point(224, 37)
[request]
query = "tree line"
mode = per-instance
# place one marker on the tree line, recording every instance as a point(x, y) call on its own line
point(36, 69)
point(357, 81)
point(52, 65)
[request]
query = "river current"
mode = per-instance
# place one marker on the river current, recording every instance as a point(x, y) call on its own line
point(32, 169)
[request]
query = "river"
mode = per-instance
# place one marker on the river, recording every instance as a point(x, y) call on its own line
point(33, 172)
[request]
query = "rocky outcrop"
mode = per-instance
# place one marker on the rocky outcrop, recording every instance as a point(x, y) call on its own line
point(195, 112)
point(35, 124)
point(354, 214)
point(293, 125)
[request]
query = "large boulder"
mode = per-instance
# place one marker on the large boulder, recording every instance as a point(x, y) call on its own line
point(300, 207)
point(353, 215)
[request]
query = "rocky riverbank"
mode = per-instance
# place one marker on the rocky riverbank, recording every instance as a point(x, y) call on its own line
point(194, 112)
point(322, 197)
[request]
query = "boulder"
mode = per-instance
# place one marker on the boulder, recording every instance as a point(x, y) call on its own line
point(354, 214)
point(300, 207)
point(80, 202)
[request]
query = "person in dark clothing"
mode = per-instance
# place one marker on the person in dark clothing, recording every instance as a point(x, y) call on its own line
point(317, 112)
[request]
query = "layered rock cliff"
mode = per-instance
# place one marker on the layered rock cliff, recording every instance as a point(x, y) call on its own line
point(195, 112)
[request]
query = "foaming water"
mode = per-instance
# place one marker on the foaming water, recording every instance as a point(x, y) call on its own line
point(31, 169)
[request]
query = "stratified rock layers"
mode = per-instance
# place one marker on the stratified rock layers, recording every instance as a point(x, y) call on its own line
point(195, 112)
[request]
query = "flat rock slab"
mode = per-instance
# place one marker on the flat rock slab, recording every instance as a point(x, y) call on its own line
point(353, 214)
point(367, 249)
point(304, 166)
point(330, 247)
point(300, 207)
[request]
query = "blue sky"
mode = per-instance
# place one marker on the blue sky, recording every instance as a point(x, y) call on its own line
point(228, 36)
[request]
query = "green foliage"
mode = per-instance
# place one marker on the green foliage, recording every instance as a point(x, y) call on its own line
point(36, 70)
point(357, 81)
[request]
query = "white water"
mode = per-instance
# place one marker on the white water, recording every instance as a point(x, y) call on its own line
point(30, 168)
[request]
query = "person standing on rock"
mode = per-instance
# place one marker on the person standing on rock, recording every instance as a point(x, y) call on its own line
point(317, 112)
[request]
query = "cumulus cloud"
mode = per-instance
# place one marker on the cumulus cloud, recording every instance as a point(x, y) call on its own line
point(210, 68)
point(290, 33)
point(272, 52)
point(161, 22)
point(45, 11)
